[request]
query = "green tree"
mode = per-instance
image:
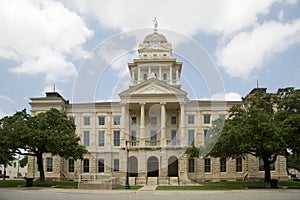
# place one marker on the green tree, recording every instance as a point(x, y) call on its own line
point(5, 153)
point(23, 162)
point(47, 132)
point(253, 128)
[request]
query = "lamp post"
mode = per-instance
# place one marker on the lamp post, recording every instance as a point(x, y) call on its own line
point(127, 170)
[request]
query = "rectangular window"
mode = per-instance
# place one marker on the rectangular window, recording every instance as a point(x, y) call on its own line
point(261, 165)
point(86, 121)
point(206, 119)
point(133, 120)
point(133, 138)
point(101, 120)
point(207, 165)
point(117, 120)
point(153, 138)
point(71, 165)
point(191, 119)
point(223, 165)
point(191, 137)
point(239, 164)
point(153, 120)
point(101, 138)
point(116, 165)
point(206, 135)
point(191, 165)
point(86, 138)
point(72, 119)
point(49, 164)
point(173, 137)
point(100, 165)
point(86, 165)
point(117, 138)
point(173, 120)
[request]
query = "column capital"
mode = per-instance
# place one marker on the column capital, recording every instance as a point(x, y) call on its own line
point(163, 103)
point(142, 103)
point(182, 103)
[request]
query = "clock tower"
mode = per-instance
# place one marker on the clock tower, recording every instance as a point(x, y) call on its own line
point(155, 61)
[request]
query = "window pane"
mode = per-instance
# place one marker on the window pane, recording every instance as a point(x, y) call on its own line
point(86, 120)
point(71, 165)
point(101, 121)
point(101, 138)
point(117, 120)
point(207, 165)
point(116, 165)
point(117, 138)
point(206, 119)
point(206, 135)
point(133, 120)
point(86, 138)
point(101, 165)
point(86, 165)
point(191, 119)
point(239, 165)
point(223, 165)
point(153, 120)
point(173, 120)
point(49, 166)
point(191, 136)
point(222, 116)
point(133, 138)
point(191, 165)
point(72, 119)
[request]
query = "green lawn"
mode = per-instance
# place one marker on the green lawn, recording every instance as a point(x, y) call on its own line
point(56, 184)
point(12, 183)
point(132, 187)
point(231, 186)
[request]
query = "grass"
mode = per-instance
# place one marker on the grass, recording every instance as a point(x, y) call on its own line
point(132, 187)
point(12, 183)
point(56, 184)
point(231, 186)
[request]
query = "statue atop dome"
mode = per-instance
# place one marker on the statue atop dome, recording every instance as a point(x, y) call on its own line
point(155, 24)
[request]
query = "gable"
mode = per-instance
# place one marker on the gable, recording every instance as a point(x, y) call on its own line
point(153, 87)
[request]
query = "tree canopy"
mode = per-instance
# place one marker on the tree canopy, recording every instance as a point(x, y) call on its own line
point(265, 126)
point(47, 132)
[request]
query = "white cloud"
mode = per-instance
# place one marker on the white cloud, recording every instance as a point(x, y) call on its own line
point(186, 17)
point(281, 15)
point(41, 36)
point(250, 50)
point(6, 104)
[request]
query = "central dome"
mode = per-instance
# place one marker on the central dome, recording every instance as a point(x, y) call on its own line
point(155, 38)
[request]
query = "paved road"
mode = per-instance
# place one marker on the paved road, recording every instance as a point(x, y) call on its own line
point(64, 194)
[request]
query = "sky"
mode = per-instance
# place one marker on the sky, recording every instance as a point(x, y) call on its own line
point(81, 48)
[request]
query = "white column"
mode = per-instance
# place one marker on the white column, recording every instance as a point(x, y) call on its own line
point(139, 74)
point(160, 77)
point(142, 125)
point(123, 124)
point(163, 124)
point(149, 71)
point(182, 124)
point(171, 77)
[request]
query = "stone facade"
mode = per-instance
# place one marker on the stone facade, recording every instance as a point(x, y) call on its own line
point(155, 121)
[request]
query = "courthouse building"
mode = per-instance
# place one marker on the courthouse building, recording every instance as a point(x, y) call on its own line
point(157, 121)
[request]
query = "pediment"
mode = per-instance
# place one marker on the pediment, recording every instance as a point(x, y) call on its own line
point(153, 87)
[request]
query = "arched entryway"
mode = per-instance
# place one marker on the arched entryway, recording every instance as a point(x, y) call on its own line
point(152, 167)
point(133, 166)
point(173, 167)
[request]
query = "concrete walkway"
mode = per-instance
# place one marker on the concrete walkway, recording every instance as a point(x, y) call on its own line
point(148, 188)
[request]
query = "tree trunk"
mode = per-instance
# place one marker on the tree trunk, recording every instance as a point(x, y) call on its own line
point(4, 173)
point(40, 166)
point(267, 170)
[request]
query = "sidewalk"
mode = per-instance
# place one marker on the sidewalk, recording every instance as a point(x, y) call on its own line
point(148, 188)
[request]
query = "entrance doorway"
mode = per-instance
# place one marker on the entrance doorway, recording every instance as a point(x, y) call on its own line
point(152, 167)
point(173, 167)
